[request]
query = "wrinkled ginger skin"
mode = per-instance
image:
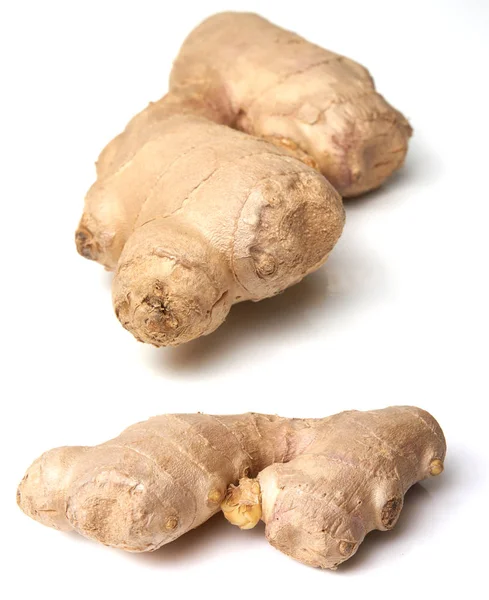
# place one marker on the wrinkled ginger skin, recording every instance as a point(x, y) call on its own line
point(323, 483)
point(283, 88)
point(195, 216)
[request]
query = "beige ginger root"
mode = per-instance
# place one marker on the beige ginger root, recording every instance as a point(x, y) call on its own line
point(320, 485)
point(194, 215)
point(282, 88)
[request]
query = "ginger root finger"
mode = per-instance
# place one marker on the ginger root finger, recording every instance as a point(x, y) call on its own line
point(300, 96)
point(195, 216)
point(320, 485)
point(319, 506)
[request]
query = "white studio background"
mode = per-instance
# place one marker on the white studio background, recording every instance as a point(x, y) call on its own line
point(398, 315)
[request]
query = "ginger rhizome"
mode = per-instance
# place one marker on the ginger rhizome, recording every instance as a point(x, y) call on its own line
point(226, 189)
point(319, 485)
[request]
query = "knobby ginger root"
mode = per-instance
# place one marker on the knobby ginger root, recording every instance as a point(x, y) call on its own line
point(319, 485)
point(296, 94)
point(195, 214)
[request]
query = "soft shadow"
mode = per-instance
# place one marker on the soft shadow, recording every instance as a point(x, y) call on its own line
point(416, 502)
point(419, 506)
point(300, 312)
point(106, 278)
point(352, 277)
point(207, 542)
point(420, 169)
point(250, 323)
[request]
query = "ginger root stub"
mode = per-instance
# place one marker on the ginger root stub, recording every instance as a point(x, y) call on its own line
point(226, 189)
point(320, 485)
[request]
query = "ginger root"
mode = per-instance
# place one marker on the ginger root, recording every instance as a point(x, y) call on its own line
point(316, 103)
point(320, 485)
point(195, 213)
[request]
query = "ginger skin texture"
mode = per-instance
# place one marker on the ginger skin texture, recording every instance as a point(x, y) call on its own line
point(226, 189)
point(319, 485)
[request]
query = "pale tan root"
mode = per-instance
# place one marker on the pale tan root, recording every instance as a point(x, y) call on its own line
point(298, 95)
point(199, 218)
point(320, 485)
point(194, 216)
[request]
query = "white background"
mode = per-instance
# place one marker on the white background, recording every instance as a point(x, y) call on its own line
point(397, 315)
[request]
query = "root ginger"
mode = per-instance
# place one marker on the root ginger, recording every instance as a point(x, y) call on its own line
point(282, 88)
point(319, 485)
point(195, 213)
